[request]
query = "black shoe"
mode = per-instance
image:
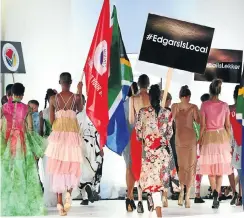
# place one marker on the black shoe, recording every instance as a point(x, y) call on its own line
point(89, 193)
point(199, 200)
point(215, 200)
point(129, 207)
point(140, 208)
point(84, 202)
point(132, 202)
point(150, 204)
point(234, 198)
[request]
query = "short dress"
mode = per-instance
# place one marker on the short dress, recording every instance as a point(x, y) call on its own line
point(64, 149)
point(215, 154)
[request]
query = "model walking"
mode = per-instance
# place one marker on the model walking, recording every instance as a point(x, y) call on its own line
point(185, 114)
point(215, 150)
point(64, 149)
point(21, 193)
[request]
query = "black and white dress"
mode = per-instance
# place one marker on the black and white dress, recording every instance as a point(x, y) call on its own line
point(92, 165)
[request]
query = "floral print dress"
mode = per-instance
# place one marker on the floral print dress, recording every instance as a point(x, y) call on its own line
point(157, 160)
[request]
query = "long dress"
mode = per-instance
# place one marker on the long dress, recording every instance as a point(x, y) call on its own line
point(50, 198)
point(186, 144)
point(21, 193)
point(64, 149)
point(215, 156)
point(155, 132)
point(92, 160)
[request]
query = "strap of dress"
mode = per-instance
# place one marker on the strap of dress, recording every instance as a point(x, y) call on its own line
point(57, 102)
point(73, 103)
point(65, 103)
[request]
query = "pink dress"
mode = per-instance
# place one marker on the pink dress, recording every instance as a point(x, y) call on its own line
point(215, 156)
point(64, 150)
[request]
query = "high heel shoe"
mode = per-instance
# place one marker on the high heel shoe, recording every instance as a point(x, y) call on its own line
point(140, 208)
point(181, 198)
point(215, 200)
point(67, 204)
point(61, 210)
point(234, 198)
point(128, 205)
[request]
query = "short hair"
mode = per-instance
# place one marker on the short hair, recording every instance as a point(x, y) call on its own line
point(4, 100)
point(169, 96)
point(205, 97)
point(65, 78)
point(18, 89)
point(143, 81)
point(35, 102)
point(9, 90)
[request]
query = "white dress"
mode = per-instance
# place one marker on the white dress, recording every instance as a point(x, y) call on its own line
point(50, 198)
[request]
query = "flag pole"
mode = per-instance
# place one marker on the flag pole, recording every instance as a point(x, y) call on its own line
point(81, 79)
point(167, 85)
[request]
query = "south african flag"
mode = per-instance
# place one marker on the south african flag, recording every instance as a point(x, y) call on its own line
point(240, 118)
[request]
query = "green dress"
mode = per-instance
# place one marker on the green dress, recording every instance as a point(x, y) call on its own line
point(21, 193)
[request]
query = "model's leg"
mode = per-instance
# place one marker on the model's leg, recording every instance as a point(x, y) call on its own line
point(233, 187)
point(140, 208)
point(157, 201)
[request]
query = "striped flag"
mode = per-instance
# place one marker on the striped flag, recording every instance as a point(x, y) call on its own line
point(120, 80)
point(240, 118)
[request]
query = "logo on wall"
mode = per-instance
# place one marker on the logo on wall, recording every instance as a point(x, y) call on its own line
point(10, 57)
point(12, 60)
point(101, 57)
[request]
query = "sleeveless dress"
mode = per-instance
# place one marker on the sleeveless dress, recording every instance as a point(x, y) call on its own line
point(186, 144)
point(64, 149)
point(215, 156)
point(21, 193)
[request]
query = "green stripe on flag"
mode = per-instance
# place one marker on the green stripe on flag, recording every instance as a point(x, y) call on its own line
point(120, 69)
point(240, 105)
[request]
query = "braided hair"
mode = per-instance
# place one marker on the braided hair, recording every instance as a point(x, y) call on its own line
point(50, 92)
point(155, 96)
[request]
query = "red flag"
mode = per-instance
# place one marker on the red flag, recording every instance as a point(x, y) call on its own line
point(96, 73)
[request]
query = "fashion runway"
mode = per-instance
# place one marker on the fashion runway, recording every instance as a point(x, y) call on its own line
point(116, 208)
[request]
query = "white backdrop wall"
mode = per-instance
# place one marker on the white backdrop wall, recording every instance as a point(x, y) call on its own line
point(56, 37)
point(43, 27)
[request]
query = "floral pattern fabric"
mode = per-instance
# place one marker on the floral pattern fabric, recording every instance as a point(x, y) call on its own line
point(155, 131)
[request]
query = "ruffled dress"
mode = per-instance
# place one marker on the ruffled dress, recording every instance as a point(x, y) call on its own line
point(64, 150)
point(215, 155)
point(21, 193)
